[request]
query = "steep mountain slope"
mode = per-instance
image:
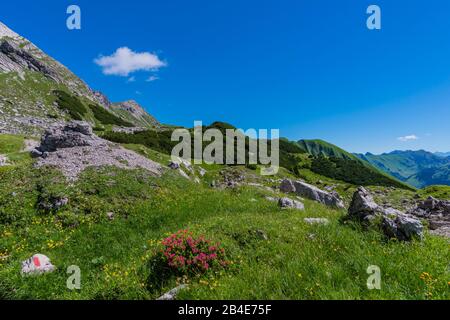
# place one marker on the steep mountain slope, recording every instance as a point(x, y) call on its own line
point(418, 168)
point(431, 176)
point(29, 82)
point(132, 112)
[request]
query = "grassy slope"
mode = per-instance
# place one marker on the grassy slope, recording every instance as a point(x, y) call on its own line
point(332, 161)
point(320, 147)
point(431, 176)
point(297, 262)
point(146, 121)
point(11, 146)
point(418, 168)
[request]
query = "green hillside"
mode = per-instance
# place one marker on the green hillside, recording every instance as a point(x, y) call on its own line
point(334, 162)
point(323, 148)
point(431, 176)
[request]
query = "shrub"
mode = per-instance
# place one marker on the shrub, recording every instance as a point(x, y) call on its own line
point(70, 104)
point(105, 117)
point(186, 254)
point(159, 141)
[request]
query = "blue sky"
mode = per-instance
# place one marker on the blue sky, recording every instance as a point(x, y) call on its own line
point(310, 68)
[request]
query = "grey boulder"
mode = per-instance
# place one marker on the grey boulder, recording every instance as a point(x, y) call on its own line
point(394, 223)
point(286, 203)
point(72, 134)
point(306, 190)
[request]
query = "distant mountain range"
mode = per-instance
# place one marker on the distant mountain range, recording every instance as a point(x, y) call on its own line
point(442, 154)
point(417, 168)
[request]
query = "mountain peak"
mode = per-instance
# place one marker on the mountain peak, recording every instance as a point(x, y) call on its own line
point(130, 105)
point(132, 111)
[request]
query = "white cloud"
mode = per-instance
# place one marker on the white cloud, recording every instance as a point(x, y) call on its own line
point(152, 78)
point(131, 79)
point(125, 61)
point(411, 137)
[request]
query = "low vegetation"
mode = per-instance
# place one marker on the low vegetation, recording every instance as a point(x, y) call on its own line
point(353, 171)
point(107, 118)
point(116, 224)
point(71, 104)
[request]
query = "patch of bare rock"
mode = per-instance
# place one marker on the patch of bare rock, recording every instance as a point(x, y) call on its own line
point(73, 147)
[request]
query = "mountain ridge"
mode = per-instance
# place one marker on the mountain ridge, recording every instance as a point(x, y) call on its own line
point(29, 79)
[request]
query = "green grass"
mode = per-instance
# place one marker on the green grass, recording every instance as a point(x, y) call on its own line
point(439, 192)
point(12, 147)
point(298, 261)
point(156, 156)
point(10, 143)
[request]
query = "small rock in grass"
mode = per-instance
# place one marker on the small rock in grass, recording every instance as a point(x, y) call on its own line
point(37, 264)
point(286, 203)
point(110, 216)
point(172, 294)
point(35, 153)
point(322, 221)
point(262, 235)
point(201, 171)
point(174, 165)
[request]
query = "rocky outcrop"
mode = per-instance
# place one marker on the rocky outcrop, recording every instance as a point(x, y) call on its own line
point(15, 59)
point(437, 213)
point(287, 186)
point(72, 134)
point(402, 226)
point(311, 192)
point(363, 208)
point(73, 147)
point(101, 99)
point(394, 223)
